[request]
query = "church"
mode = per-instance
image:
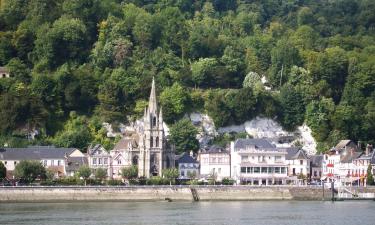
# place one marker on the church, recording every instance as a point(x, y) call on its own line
point(145, 146)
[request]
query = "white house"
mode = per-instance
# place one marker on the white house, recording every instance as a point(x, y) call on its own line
point(98, 157)
point(258, 162)
point(187, 166)
point(214, 161)
point(316, 167)
point(298, 162)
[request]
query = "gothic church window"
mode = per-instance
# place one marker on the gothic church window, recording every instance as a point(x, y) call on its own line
point(135, 160)
point(157, 142)
point(154, 121)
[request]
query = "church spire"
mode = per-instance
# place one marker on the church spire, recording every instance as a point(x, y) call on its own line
point(152, 106)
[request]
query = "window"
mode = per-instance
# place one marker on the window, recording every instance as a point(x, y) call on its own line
point(105, 161)
point(151, 142)
point(100, 161)
point(243, 169)
point(315, 174)
point(119, 161)
point(256, 169)
point(5, 162)
point(264, 169)
point(94, 161)
point(248, 170)
point(244, 158)
point(301, 162)
point(157, 142)
point(154, 121)
point(277, 158)
point(277, 169)
point(182, 173)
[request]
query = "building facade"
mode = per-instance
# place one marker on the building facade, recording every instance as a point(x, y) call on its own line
point(61, 161)
point(316, 167)
point(258, 162)
point(188, 167)
point(298, 162)
point(99, 157)
point(214, 162)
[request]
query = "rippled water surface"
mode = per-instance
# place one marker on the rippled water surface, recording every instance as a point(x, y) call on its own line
point(267, 213)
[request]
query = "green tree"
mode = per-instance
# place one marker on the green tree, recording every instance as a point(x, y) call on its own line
point(318, 116)
point(74, 134)
point(174, 101)
point(111, 100)
point(183, 136)
point(84, 172)
point(170, 174)
point(253, 81)
point(29, 171)
point(100, 174)
point(370, 177)
point(203, 71)
point(3, 171)
point(293, 108)
point(283, 57)
point(67, 32)
point(130, 173)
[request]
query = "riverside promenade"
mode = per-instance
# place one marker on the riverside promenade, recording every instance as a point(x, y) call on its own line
point(165, 193)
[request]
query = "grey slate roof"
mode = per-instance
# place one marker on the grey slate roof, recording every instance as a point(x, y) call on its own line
point(295, 153)
point(186, 158)
point(342, 144)
point(348, 158)
point(214, 149)
point(257, 143)
point(316, 160)
point(73, 163)
point(34, 153)
point(373, 157)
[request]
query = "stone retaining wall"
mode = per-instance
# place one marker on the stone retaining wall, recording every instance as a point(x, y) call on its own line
point(173, 193)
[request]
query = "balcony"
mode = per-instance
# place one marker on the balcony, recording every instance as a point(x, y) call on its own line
point(329, 165)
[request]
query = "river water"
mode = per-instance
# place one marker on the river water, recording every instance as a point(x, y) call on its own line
point(164, 213)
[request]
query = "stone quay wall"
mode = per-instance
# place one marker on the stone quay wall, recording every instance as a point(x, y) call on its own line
point(163, 193)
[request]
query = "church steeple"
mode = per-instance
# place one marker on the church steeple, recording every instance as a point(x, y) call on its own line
point(152, 105)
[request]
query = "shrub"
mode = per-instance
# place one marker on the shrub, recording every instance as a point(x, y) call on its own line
point(114, 182)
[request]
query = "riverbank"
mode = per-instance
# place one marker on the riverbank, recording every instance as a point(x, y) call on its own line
point(163, 193)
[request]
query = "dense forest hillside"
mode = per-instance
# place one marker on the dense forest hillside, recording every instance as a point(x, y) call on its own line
point(77, 63)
